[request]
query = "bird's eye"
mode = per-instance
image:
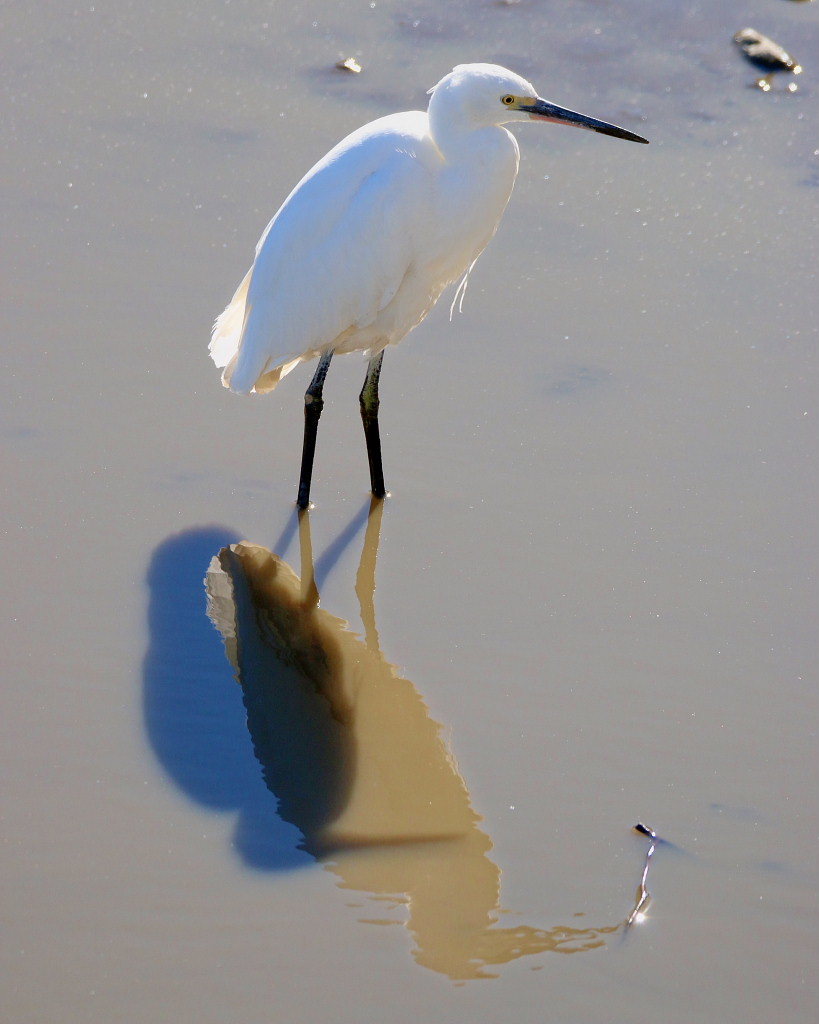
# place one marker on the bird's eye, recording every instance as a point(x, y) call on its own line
point(507, 100)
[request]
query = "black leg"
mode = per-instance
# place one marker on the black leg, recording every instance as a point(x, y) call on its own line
point(313, 404)
point(369, 417)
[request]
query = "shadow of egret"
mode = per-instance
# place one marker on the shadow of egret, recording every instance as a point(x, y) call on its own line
point(193, 713)
point(357, 764)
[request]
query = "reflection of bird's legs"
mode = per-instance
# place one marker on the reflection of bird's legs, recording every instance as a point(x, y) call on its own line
point(368, 400)
point(365, 578)
point(309, 590)
point(313, 404)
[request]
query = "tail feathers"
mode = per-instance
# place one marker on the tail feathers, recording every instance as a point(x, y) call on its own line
point(227, 330)
point(244, 379)
point(270, 378)
point(246, 367)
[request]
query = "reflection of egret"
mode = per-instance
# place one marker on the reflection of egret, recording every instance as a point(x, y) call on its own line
point(349, 749)
point(368, 240)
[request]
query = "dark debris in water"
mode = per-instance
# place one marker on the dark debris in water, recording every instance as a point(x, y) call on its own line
point(576, 379)
point(764, 52)
point(643, 897)
point(767, 55)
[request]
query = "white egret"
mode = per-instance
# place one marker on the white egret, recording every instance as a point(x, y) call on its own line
point(365, 244)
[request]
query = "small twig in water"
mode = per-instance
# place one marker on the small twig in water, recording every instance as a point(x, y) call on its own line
point(643, 896)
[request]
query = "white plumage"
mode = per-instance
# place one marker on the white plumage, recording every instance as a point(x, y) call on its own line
point(363, 246)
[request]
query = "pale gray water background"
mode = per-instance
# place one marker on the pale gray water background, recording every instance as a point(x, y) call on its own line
point(598, 566)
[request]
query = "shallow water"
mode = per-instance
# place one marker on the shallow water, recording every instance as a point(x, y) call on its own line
point(596, 578)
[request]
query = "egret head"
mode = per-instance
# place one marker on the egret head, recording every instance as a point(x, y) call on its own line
point(481, 95)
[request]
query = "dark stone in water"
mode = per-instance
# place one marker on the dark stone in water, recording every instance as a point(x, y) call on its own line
point(764, 52)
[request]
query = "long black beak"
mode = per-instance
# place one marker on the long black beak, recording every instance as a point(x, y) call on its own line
point(542, 110)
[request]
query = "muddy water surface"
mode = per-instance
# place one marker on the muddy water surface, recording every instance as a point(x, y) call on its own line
point(595, 598)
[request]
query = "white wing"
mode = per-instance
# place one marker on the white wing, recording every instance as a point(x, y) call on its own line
point(333, 256)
